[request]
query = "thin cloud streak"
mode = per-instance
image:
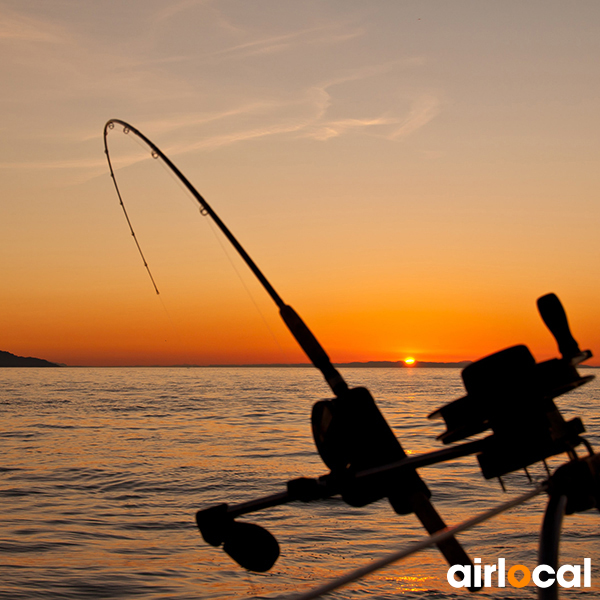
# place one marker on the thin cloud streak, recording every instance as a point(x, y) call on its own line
point(317, 101)
point(336, 128)
point(424, 110)
point(43, 165)
point(314, 105)
point(191, 120)
point(283, 42)
point(317, 111)
point(174, 8)
point(15, 27)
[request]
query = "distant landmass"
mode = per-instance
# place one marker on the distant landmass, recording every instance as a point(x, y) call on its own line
point(386, 364)
point(11, 360)
point(371, 364)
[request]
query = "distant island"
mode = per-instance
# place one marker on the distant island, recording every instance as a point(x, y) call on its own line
point(371, 364)
point(11, 360)
point(386, 364)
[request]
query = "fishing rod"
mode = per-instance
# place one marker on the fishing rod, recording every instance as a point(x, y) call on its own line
point(349, 431)
point(367, 462)
point(295, 324)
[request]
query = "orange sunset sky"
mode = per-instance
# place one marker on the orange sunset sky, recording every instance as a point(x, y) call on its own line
point(409, 175)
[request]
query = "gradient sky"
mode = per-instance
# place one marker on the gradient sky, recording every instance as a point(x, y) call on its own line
point(409, 175)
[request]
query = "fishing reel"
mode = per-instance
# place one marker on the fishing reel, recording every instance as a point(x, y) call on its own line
point(352, 438)
point(511, 394)
point(351, 435)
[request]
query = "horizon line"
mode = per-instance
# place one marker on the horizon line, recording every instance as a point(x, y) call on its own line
point(377, 364)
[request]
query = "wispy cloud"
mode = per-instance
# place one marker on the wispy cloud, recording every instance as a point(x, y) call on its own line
point(212, 13)
point(330, 129)
point(188, 120)
point(227, 139)
point(15, 27)
point(59, 164)
point(424, 109)
point(194, 104)
point(308, 115)
point(174, 8)
point(325, 34)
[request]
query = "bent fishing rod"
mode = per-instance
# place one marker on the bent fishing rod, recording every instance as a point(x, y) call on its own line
point(367, 462)
point(349, 431)
point(295, 324)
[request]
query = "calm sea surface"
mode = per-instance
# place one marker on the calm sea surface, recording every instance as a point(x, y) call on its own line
point(102, 472)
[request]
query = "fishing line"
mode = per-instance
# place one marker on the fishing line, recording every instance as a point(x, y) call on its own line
point(203, 213)
point(174, 173)
point(110, 125)
point(248, 291)
point(297, 327)
point(444, 535)
point(112, 174)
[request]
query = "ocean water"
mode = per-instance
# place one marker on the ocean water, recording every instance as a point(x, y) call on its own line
point(102, 472)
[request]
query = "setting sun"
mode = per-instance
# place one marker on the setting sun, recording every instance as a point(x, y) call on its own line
point(409, 361)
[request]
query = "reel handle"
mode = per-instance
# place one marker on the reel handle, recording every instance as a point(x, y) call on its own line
point(554, 316)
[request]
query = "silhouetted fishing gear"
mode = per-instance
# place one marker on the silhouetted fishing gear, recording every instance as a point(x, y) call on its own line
point(350, 432)
point(507, 392)
point(511, 394)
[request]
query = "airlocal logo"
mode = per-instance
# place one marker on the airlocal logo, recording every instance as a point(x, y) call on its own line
point(482, 575)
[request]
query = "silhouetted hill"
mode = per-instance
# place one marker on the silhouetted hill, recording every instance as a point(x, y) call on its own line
point(11, 360)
